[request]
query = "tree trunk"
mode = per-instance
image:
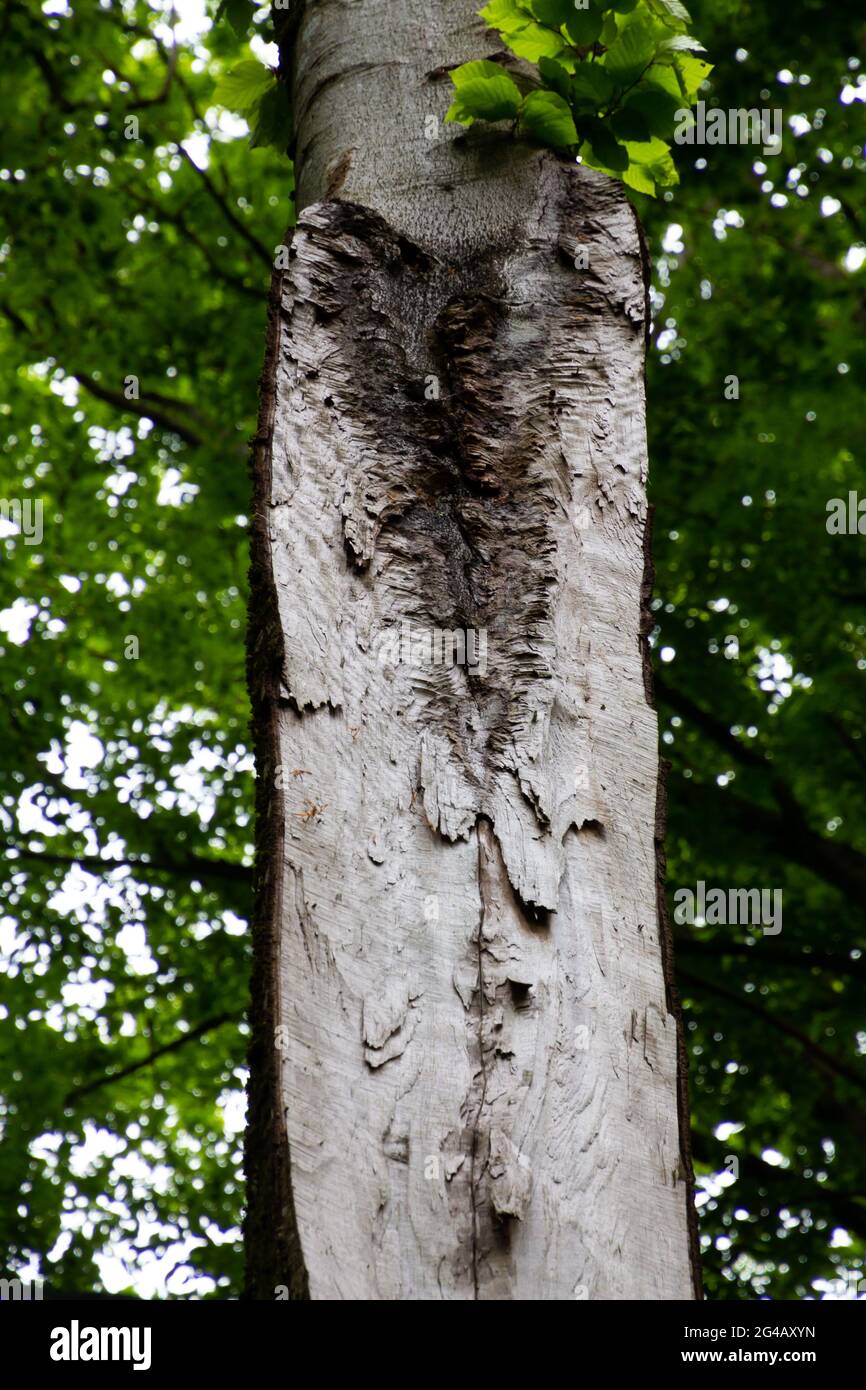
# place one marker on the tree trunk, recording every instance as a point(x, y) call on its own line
point(465, 1058)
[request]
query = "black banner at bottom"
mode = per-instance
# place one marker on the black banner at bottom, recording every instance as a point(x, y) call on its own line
point(65, 1339)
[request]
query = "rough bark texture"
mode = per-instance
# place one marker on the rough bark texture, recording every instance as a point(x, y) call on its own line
point(463, 1036)
point(274, 1256)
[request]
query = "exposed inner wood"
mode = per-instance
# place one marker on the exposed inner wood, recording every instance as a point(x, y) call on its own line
point(476, 1072)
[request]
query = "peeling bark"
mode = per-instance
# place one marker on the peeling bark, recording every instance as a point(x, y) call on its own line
point(474, 1067)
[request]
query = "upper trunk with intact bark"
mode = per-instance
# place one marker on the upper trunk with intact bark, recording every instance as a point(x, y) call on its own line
point(465, 1063)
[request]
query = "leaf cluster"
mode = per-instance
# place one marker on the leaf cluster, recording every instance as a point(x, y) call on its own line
point(610, 79)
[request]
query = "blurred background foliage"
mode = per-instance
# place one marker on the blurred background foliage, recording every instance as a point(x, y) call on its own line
point(134, 266)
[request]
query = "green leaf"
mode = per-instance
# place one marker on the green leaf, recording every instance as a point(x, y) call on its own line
point(555, 76)
point(654, 157)
point(272, 127)
point(622, 6)
point(243, 86)
point(663, 172)
point(633, 51)
point(546, 116)
point(629, 124)
point(648, 151)
point(533, 41)
point(679, 43)
point(553, 12)
point(670, 12)
point(584, 26)
point(690, 73)
point(605, 152)
point(505, 15)
point(592, 86)
point(650, 167)
point(657, 107)
point(483, 91)
point(637, 178)
point(663, 77)
point(610, 30)
point(467, 74)
point(239, 14)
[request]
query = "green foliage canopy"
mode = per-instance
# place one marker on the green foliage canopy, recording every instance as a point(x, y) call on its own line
point(136, 258)
point(606, 78)
point(125, 775)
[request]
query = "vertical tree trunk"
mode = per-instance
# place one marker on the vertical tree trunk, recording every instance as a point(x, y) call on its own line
point(465, 1063)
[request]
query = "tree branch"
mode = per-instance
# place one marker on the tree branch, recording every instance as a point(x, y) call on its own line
point(845, 1206)
point(194, 866)
point(822, 1059)
point(836, 862)
point(226, 210)
point(822, 960)
point(227, 276)
point(840, 864)
point(159, 408)
point(146, 408)
point(207, 1026)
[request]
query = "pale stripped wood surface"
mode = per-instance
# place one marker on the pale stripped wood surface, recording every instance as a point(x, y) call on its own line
point(479, 1074)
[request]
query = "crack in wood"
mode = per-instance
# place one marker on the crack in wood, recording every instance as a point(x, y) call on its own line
point(452, 512)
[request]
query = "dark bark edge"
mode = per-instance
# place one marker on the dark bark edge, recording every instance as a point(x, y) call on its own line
point(666, 938)
point(273, 1256)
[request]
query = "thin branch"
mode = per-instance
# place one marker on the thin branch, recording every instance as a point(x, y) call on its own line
point(161, 409)
point(796, 1189)
point(207, 1026)
point(715, 729)
point(63, 103)
point(840, 864)
point(854, 747)
point(686, 945)
point(822, 1059)
point(146, 407)
point(193, 867)
point(227, 276)
point(17, 322)
point(227, 210)
point(852, 216)
point(54, 85)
